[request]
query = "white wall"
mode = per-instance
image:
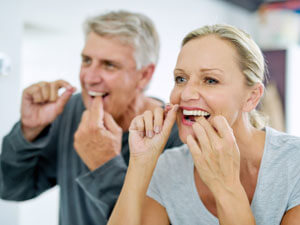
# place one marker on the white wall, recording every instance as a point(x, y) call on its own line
point(10, 44)
point(51, 52)
point(292, 90)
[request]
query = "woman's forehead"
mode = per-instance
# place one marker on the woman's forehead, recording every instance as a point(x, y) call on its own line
point(208, 52)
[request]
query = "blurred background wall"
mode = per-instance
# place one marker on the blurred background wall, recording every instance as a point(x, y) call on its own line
point(10, 44)
point(44, 39)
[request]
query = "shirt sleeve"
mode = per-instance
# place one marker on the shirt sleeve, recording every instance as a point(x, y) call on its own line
point(104, 184)
point(295, 196)
point(26, 169)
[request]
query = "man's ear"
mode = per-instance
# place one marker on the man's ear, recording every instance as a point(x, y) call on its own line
point(145, 76)
point(255, 94)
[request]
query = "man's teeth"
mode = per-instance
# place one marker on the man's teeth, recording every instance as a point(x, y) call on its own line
point(93, 93)
point(195, 113)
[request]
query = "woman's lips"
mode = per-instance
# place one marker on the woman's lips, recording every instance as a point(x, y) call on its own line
point(189, 114)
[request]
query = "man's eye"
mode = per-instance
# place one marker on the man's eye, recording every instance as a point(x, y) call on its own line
point(86, 60)
point(209, 80)
point(110, 65)
point(179, 79)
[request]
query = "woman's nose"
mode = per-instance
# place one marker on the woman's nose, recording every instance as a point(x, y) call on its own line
point(190, 92)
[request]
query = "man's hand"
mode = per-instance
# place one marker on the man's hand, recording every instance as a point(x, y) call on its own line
point(41, 104)
point(98, 138)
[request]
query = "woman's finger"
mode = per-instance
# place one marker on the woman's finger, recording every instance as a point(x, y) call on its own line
point(158, 119)
point(138, 125)
point(211, 132)
point(202, 137)
point(169, 121)
point(193, 147)
point(148, 119)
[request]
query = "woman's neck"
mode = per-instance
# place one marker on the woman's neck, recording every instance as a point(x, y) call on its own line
point(251, 143)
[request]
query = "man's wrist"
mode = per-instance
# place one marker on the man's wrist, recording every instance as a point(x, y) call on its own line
point(30, 134)
point(95, 164)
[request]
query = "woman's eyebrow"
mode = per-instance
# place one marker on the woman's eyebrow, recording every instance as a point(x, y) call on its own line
point(178, 69)
point(211, 69)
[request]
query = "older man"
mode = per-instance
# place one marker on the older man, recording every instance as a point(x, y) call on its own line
point(80, 142)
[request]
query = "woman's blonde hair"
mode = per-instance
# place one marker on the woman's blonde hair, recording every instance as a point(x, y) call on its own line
point(251, 60)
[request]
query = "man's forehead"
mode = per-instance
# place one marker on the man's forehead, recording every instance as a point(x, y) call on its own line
point(107, 48)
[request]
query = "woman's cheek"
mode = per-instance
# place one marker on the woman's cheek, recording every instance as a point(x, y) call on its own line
point(175, 96)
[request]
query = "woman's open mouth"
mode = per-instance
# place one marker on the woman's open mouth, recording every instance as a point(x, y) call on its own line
point(189, 116)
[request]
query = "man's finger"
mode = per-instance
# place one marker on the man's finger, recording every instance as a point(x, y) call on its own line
point(37, 96)
point(55, 86)
point(45, 89)
point(111, 124)
point(97, 111)
point(63, 99)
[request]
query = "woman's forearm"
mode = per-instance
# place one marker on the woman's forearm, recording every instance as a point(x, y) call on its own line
point(233, 207)
point(128, 209)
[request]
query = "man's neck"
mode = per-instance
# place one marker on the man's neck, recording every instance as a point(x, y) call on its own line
point(138, 106)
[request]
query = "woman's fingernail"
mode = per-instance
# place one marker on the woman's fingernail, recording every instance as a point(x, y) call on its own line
point(149, 133)
point(168, 106)
point(175, 107)
point(142, 134)
point(157, 129)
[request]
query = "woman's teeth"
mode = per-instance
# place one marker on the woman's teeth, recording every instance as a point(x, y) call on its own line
point(195, 113)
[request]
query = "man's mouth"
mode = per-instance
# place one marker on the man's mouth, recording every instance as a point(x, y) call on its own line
point(190, 115)
point(94, 94)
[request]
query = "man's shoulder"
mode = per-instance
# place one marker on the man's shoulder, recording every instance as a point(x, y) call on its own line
point(74, 105)
point(174, 139)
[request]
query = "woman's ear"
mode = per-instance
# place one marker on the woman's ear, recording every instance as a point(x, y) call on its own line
point(255, 94)
point(146, 75)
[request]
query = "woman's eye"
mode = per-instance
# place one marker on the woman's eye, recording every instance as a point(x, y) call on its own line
point(179, 79)
point(209, 80)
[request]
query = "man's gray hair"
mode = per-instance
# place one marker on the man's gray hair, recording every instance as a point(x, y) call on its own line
point(130, 28)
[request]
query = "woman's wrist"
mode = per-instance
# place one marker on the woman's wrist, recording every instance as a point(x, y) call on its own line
point(223, 191)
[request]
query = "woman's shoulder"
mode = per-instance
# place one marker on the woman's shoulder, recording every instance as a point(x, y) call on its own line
point(282, 150)
point(282, 141)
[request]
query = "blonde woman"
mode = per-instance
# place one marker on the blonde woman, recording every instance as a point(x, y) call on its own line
point(232, 170)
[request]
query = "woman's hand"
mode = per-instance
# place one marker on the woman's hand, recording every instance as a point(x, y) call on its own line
point(149, 133)
point(215, 154)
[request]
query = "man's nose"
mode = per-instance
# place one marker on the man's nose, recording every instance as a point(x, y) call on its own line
point(92, 75)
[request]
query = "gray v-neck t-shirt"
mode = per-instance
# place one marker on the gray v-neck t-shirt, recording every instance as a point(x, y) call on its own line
point(277, 189)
